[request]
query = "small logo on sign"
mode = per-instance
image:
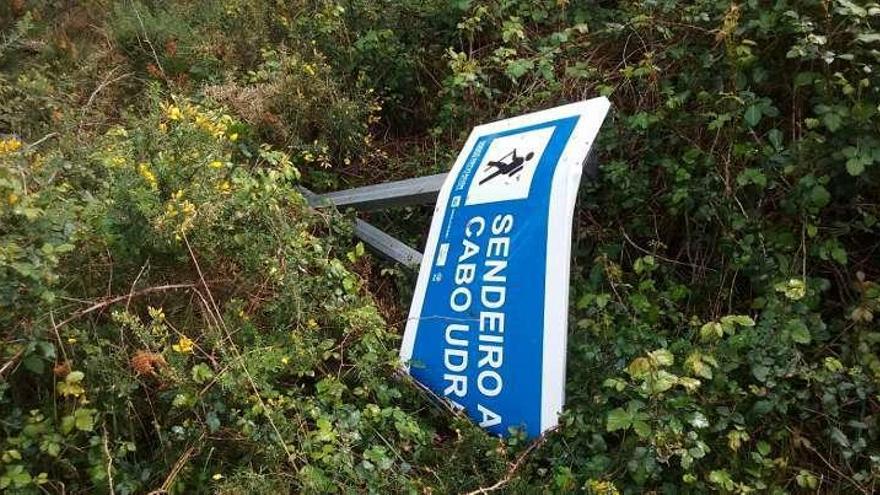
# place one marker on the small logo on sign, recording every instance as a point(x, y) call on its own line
point(510, 168)
point(506, 170)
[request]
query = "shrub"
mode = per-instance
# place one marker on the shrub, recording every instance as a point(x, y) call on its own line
point(173, 317)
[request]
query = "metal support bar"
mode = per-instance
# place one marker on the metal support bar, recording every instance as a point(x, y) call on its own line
point(381, 242)
point(386, 245)
point(418, 191)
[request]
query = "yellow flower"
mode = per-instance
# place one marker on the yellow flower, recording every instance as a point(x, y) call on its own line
point(173, 112)
point(148, 175)
point(9, 145)
point(163, 127)
point(184, 345)
point(308, 69)
point(216, 164)
point(285, 360)
point(12, 198)
point(217, 477)
point(597, 487)
point(233, 137)
point(224, 187)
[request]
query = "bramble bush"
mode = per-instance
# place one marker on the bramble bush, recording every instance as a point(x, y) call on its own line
point(173, 317)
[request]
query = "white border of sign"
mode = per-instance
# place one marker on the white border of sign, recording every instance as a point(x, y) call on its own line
point(563, 194)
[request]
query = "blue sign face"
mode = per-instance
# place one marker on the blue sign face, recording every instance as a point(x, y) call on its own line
point(478, 328)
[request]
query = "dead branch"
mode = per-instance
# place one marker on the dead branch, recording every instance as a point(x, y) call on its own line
point(513, 467)
point(113, 300)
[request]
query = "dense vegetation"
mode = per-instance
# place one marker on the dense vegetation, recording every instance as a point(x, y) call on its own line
point(173, 319)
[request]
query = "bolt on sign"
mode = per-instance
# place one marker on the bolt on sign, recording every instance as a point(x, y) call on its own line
point(488, 324)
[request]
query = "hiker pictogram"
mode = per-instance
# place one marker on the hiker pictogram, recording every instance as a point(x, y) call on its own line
point(511, 168)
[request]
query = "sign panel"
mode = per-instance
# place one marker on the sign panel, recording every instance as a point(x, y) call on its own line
point(488, 323)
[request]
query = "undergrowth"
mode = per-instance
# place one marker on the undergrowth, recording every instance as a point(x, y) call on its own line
point(174, 319)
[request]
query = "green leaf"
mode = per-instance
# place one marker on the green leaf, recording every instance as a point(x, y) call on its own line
point(722, 479)
point(805, 479)
point(84, 419)
point(839, 437)
point(618, 419)
point(201, 373)
point(642, 428)
point(760, 372)
point(711, 331)
point(741, 320)
point(753, 115)
point(868, 37)
point(799, 332)
point(855, 167)
point(661, 357)
point(794, 289)
point(67, 423)
point(518, 68)
point(615, 383)
point(639, 367)
point(34, 364)
point(775, 138)
point(660, 382)
point(832, 121)
point(698, 420)
point(819, 196)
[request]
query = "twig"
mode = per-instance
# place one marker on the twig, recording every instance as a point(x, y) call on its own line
point(513, 467)
point(238, 355)
point(147, 39)
point(40, 141)
point(181, 461)
point(131, 289)
point(113, 300)
point(11, 362)
point(103, 85)
point(668, 260)
point(109, 460)
point(806, 444)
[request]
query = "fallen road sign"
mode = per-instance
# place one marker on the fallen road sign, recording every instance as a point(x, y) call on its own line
point(488, 324)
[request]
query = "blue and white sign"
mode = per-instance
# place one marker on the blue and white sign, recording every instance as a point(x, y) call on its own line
point(488, 324)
